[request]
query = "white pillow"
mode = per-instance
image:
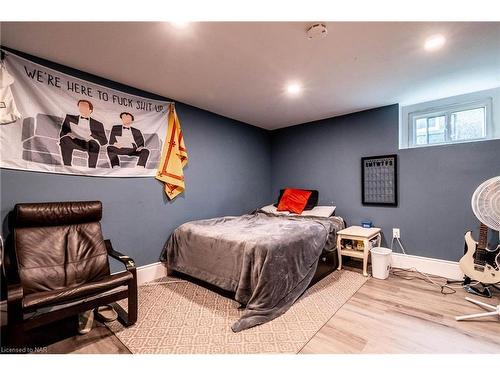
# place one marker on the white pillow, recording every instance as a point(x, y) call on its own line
point(318, 211)
point(274, 210)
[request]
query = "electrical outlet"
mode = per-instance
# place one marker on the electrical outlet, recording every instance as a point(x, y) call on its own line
point(396, 233)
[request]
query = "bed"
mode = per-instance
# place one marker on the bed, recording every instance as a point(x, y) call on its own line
point(268, 259)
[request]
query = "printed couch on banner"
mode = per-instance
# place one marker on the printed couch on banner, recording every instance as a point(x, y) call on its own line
point(40, 138)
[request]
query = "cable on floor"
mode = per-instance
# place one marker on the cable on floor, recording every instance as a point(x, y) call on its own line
point(400, 272)
point(444, 288)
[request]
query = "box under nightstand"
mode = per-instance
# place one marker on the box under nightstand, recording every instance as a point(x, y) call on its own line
point(361, 240)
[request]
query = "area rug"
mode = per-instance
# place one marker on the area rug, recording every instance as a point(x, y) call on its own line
point(177, 316)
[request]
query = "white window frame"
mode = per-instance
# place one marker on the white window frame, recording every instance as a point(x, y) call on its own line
point(412, 113)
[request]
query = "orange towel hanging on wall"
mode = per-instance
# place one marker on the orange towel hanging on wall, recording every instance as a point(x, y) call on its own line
point(174, 157)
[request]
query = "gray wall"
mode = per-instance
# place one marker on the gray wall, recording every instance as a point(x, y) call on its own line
point(228, 174)
point(435, 183)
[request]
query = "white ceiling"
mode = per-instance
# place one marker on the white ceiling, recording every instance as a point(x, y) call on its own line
point(239, 70)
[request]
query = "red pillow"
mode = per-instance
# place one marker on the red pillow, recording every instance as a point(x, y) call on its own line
point(294, 200)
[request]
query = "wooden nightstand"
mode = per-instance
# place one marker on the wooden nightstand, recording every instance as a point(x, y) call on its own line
point(361, 240)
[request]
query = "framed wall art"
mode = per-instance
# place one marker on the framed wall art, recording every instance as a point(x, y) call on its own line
point(379, 180)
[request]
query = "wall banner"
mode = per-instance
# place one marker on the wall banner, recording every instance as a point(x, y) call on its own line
point(73, 126)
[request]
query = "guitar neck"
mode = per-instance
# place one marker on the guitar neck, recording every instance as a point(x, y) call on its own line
point(483, 236)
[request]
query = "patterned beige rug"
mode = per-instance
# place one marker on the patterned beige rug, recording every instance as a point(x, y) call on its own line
point(177, 316)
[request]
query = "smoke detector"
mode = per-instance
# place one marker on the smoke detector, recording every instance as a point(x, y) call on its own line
point(317, 31)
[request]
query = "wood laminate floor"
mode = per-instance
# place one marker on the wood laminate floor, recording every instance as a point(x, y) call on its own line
point(402, 316)
point(100, 340)
point(384, 316)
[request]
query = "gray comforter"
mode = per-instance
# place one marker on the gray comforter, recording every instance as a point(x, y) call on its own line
point(267, 260)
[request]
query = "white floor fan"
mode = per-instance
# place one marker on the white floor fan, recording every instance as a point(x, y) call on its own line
point(486, 206)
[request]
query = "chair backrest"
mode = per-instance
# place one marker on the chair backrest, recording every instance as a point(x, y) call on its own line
point(59, 244)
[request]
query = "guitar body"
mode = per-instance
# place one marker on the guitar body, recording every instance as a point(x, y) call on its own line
point(479, 263)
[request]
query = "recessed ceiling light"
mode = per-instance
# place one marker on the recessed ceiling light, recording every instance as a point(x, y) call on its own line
point(180, 24)
point(293, 89)
point(434, 42)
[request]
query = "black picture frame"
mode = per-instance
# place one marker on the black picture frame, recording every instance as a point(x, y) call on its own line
point(386, 193)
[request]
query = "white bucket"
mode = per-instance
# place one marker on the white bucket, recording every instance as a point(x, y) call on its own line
point(381, 262)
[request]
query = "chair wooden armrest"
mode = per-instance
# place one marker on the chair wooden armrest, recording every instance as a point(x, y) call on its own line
point(130, 317)
point(15, 302)
point(15, 292)
point(125, 259)
point(15, 314)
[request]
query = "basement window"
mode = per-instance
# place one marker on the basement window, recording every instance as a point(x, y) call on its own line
point(446, 123)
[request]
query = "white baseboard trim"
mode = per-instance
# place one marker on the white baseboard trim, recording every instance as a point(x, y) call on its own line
point(151, 272)
point(438, 267)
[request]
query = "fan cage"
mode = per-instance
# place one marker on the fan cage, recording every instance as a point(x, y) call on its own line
point(486, 203)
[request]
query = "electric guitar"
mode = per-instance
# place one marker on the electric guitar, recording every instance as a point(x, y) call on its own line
point(479, 262)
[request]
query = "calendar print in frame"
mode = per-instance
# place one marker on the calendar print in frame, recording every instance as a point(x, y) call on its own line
point(379, 180)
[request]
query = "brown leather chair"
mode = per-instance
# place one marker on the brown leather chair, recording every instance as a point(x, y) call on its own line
point(57, 260)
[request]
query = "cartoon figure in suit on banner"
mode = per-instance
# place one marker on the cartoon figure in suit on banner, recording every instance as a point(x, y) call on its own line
point(82, 132)
point(126, 140)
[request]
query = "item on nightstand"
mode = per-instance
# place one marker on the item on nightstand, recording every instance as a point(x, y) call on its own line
point(381, 262)
point(366, 223)
point(359, 245)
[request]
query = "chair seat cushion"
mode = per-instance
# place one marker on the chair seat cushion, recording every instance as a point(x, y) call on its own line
point(59, 296)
